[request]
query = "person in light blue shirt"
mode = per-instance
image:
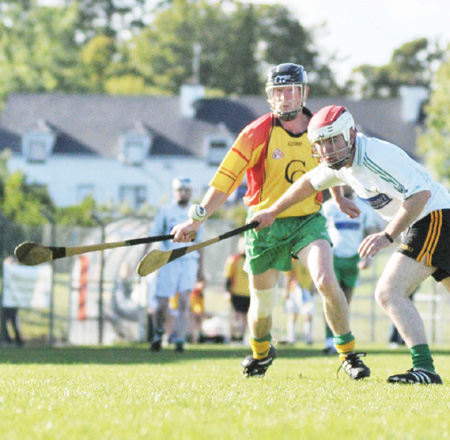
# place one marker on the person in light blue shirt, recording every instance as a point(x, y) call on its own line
point(178, 276)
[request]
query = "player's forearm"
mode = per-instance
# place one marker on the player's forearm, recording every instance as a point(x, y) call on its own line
point(408, 213)
point(337, 194)
point(213, 200)
point(300, 190)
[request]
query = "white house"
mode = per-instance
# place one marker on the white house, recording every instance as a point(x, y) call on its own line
point(129, 148)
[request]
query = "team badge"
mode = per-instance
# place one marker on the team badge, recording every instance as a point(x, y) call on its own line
point(277, 154)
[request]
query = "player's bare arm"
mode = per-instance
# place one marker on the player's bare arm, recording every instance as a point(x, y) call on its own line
point(300, 190)
point(212, 200)
point(347, 206)
point(409, 211)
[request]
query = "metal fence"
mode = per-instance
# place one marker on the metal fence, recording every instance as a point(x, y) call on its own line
point(82, 310)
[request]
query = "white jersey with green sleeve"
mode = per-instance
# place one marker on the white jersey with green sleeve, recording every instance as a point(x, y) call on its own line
point(383, 176)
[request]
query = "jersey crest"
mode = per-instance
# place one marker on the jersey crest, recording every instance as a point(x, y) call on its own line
point(277, 154)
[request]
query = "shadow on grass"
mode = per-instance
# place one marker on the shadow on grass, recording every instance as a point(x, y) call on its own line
point(140, 354)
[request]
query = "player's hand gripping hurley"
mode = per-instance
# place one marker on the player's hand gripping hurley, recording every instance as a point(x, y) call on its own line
point(31, 254)
point(156, 258)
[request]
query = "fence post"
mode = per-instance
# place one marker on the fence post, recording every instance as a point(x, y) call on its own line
point(51, 314)
point(100, 282)
point(2, 256)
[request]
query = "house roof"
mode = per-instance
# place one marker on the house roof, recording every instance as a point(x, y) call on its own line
point(93, 124)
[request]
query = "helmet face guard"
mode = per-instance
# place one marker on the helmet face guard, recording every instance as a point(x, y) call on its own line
point(281, 77)
point(332, 160)
point(327, 124)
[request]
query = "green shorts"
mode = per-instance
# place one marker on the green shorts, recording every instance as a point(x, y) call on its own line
point(346, 270)
point(275, 246)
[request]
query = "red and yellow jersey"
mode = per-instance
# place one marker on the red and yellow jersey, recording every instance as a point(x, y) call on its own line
point(273, 160)
point(234, 271)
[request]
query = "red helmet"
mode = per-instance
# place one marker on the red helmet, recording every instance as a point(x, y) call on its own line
point(330, 121)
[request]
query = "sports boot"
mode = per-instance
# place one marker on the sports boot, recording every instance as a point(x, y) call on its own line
point(156, 346)
point(416, 375)
point(258, 367)
point(354, 366)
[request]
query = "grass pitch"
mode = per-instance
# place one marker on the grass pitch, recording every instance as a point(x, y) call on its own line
point(126, 392)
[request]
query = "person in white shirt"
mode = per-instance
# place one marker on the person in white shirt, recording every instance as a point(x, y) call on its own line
point(178, 276)
point(347, 234)
point(404, 194)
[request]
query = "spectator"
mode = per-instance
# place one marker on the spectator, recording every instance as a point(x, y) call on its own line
point(237, 287)
point(298, 296)
point(179, 275)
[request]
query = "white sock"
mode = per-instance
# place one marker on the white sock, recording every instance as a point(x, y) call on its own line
point(291, 328)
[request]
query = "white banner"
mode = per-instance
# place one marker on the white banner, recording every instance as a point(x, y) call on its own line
point(27, 287)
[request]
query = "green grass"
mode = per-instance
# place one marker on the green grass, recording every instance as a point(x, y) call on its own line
point(126, 392)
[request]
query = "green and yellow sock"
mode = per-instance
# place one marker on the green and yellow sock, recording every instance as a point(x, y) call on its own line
point(261, 347)
point(344, 344)
point(328, 332)
point(421, 357)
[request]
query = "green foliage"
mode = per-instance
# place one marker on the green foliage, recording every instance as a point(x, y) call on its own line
point(24, 203)
point(38, 49)
point(96, 58)
point(434, 142)
point(125, 85)
point(79, 215)
point(412, 63)
point(118, 47)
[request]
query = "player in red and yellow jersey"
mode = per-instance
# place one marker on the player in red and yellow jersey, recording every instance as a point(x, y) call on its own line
point(238, 290)
point(274, 152)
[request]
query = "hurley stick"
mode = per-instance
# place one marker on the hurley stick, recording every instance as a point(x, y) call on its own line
point(156, 258)
point(31, 254)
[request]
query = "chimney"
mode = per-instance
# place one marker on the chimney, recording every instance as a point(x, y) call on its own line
point(189, 95)
point(412, 98)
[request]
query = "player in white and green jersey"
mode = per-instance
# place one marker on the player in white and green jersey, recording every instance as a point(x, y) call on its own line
point(404, 194)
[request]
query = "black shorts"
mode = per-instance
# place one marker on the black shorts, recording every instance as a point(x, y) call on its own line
point(428, 241)
point(240, 303)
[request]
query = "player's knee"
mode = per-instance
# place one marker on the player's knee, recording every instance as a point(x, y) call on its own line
point(262, 301)
point(326, 284)
point(382, 296)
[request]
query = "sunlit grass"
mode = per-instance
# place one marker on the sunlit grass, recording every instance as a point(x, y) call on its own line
point(130, 393)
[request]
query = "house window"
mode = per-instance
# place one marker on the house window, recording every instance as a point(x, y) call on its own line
point(37, 150)
point(134, 152)
point(36, 147)
point(217, 148)
point(38, 142)
point(133, 195)
point(83, 191)
point(134, 148)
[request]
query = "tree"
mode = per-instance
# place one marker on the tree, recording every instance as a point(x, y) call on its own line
point(38, 49)
point(413, 63)
point(104, 46)
point(286, 40)
point(109, 17)
point(238, 42)
point(96, 57)
point(24, 203)
point(434, 142)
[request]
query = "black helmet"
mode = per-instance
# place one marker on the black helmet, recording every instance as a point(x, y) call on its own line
point(281, 76)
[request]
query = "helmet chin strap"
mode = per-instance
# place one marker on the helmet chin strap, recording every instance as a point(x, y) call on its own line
point(288, 116)
point(340, 163)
